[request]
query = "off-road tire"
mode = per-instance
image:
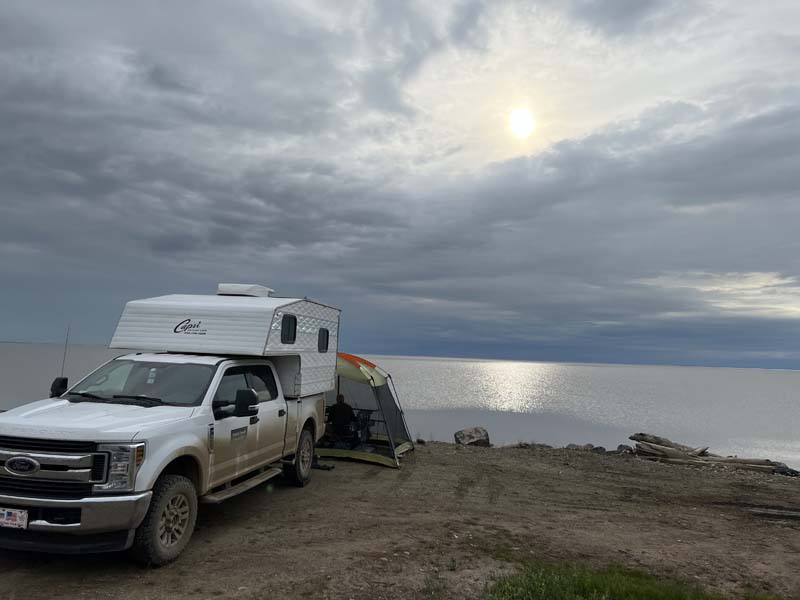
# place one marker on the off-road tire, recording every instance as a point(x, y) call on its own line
point(299, 473)
point(171, 495)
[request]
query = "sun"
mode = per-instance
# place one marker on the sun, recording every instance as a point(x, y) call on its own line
point(521, 122)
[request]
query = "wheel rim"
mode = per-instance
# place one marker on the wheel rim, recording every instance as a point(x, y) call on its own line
point(306, 455)
point(174, 520)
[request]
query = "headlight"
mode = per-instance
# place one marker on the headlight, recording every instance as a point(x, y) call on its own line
point(123, 464)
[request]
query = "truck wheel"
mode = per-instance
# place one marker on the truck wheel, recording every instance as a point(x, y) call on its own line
point(169, 522)
point(300, 472)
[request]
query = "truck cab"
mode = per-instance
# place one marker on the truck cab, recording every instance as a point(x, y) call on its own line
point(121, 459)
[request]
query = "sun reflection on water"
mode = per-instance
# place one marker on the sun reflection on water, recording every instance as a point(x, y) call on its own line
point(515, 387)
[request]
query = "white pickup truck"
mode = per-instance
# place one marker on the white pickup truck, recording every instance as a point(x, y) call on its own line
point(121, 459)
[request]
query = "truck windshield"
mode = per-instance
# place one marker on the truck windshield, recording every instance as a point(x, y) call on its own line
point(154, 382)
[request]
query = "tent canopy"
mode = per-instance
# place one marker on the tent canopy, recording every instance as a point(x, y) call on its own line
point(359, 369)
point(379, 431)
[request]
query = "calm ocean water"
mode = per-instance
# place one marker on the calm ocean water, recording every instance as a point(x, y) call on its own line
point(749, 412)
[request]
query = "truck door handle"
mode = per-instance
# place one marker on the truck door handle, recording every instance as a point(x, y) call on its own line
point(281, 413)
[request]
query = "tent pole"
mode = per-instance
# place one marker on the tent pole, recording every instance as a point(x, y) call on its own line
point(402, 412)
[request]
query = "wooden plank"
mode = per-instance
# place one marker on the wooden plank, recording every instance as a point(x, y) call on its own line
point(662, 450)
point(774, 513)
point(745, 461)
point(660, 441)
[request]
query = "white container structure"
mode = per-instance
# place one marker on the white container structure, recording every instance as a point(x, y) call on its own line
point(299, 335)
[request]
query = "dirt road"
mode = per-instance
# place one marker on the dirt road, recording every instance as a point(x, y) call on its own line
point(446, 523)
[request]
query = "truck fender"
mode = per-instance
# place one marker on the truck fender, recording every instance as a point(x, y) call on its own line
point(150, 473)
point(311, 419)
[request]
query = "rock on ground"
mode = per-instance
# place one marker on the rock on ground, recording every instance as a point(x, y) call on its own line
point(472, 436)
point(581, 447)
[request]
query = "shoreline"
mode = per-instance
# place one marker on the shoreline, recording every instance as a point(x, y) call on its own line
point(508, 428)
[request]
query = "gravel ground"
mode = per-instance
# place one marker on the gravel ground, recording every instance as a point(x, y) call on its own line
point(446, 523)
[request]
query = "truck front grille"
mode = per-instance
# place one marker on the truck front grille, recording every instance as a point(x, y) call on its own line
point(42, 488)
point(67, 469)
point(38, 445)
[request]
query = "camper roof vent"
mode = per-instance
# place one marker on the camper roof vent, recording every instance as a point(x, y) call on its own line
point(244, 289)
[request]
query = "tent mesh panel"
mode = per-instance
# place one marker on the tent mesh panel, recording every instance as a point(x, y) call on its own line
point(394, 418)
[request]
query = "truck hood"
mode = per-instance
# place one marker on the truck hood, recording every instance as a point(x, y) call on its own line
point(89, 421)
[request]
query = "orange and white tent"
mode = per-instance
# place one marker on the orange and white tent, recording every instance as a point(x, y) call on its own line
point(383, 435)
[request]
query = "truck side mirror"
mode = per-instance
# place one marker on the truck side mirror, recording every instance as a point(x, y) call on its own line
point(246, 404)
point(58, 387)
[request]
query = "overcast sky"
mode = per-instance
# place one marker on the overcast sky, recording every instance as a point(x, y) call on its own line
point(360, 153)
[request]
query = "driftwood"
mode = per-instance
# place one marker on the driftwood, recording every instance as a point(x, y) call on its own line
point(745, 461)
point(763, 468)
point(660, 450)
point(705, 463)
point(660, 441)
point(678, 461)
point(656, 448)
point(775, 513)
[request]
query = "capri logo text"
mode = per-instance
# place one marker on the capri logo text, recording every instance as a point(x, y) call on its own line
point(189, 327)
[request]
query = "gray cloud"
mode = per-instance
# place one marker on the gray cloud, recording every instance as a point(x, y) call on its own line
point(468, 25)
point(143, 155)
point(619, 17)
point(402, 38)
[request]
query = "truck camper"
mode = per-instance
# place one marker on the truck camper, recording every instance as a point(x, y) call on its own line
point(221, 393)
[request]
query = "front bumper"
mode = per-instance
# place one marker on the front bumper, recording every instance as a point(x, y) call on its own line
point(99, 524)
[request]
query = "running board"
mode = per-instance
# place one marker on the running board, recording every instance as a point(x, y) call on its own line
point(237, 489)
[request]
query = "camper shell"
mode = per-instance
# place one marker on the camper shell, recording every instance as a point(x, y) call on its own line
point(299, 335)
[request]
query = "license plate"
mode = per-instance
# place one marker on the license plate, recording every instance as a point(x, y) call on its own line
point(13, 518)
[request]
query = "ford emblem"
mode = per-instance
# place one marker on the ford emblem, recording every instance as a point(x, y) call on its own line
point(22, 465)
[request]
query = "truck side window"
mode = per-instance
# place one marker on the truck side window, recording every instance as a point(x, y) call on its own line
point(288, 329)
point(263, 382)
point(233, 381)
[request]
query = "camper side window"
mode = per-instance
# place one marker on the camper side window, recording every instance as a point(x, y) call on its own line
point(288, 329)
point(322, 340)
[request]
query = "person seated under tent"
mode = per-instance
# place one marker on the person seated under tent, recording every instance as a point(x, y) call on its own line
point(341, 417)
